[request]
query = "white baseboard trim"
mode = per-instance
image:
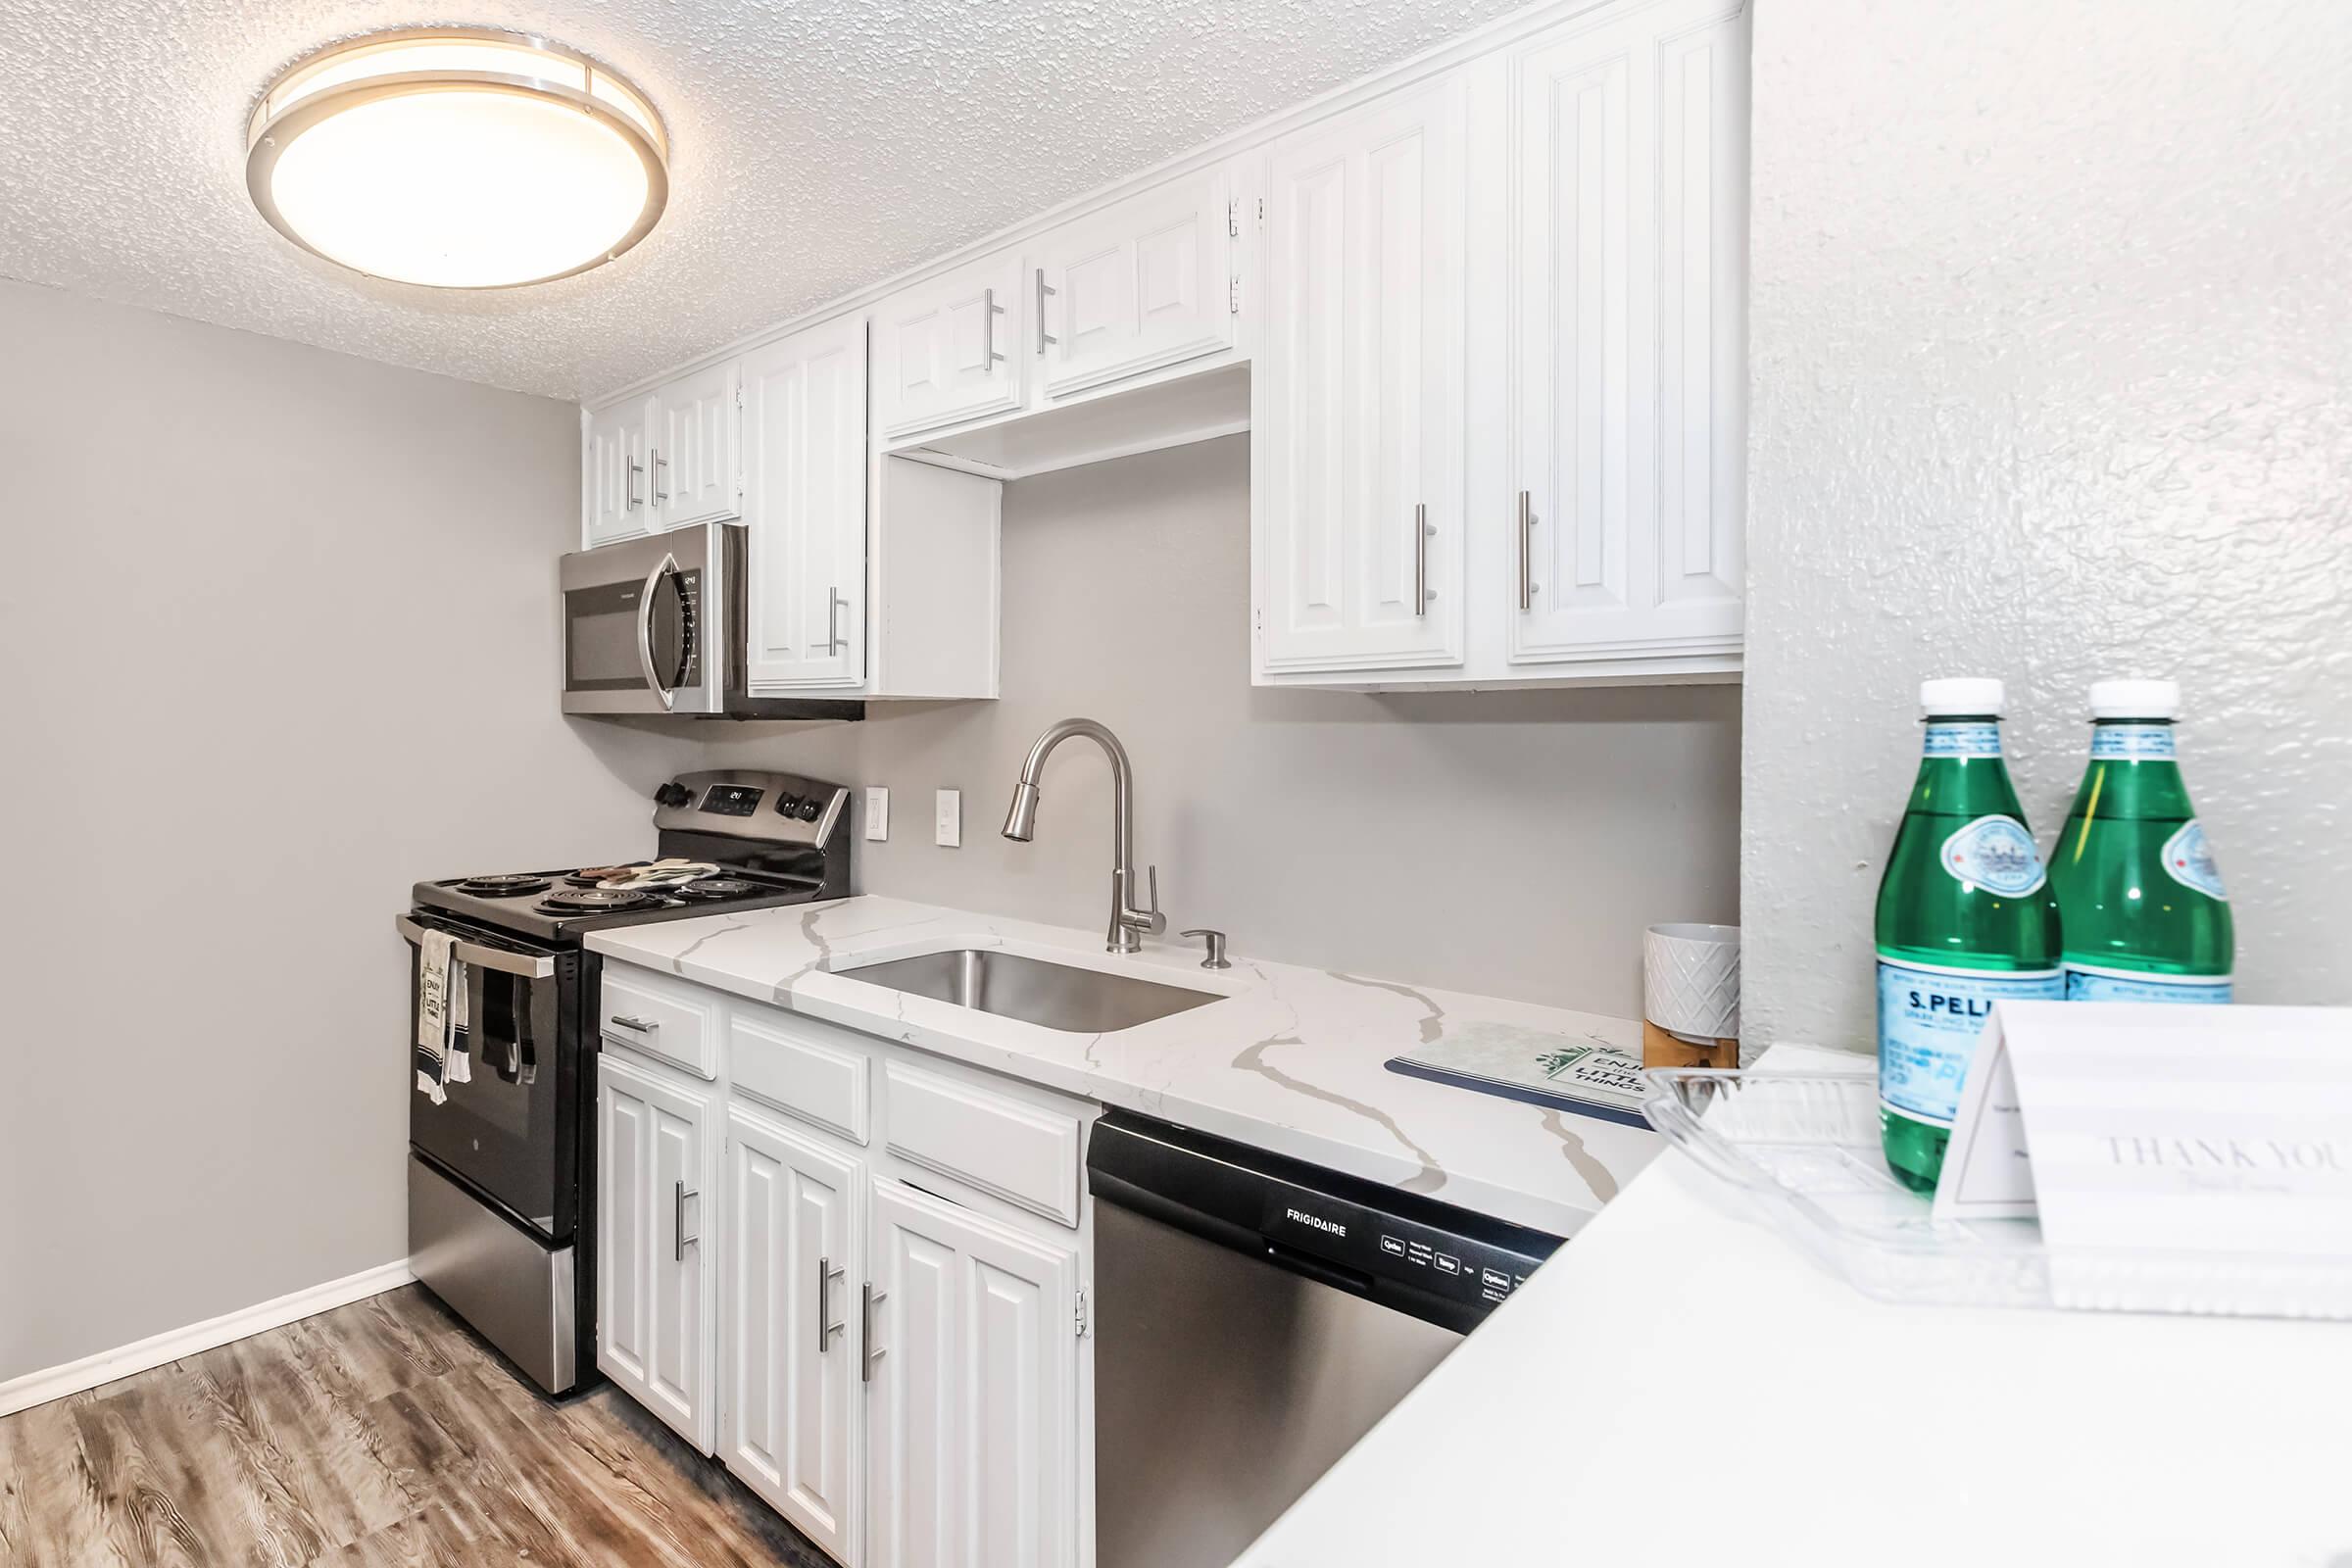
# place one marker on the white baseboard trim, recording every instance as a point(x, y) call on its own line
point(55, 1383)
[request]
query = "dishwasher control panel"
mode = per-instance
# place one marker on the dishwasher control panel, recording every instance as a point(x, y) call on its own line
point(1388, 1245)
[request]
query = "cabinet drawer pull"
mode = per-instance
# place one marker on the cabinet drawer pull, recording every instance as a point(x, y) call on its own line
point(643, 1026)
point(679, 1240)
point(990, 309)
point(1422, 532)
point(1526, 552)
point(826, 1273)
point(867, 1297)
point(834, 605)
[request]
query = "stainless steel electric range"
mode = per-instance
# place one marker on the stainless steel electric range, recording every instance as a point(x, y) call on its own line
point(501, 1174)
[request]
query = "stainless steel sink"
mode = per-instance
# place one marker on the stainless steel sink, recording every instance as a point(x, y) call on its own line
point(1052, 996)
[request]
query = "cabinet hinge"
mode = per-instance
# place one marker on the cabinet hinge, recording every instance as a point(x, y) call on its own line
point(1233, 295)
point(1080, 1318)
point(1233, 218)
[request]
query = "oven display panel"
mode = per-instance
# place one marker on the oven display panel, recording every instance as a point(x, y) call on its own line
point(732, 799)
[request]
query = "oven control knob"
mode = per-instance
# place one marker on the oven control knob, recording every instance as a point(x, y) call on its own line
point(673, 794)
point(786, 804)
point(810, 810)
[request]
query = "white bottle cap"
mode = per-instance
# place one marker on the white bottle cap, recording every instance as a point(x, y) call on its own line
point(2135, 699)
point(1960, 694)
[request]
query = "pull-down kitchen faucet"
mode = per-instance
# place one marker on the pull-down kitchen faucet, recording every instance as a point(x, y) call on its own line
point(1128, 922)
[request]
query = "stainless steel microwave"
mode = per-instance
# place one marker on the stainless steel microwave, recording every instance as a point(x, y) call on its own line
point(656, 625)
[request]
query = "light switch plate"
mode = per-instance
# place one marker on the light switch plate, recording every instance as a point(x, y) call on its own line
point(950, 823)
point(877, 812)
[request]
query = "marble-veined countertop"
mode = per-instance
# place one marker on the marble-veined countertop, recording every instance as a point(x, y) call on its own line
point(1290, 1059)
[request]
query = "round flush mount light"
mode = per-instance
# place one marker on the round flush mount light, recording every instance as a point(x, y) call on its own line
point(456, 158)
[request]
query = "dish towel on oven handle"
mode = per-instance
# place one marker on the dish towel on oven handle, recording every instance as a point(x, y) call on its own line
point(442, 1056)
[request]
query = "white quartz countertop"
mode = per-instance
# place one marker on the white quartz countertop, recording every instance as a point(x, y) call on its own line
point(1679, 1387)
point(1291, 1060)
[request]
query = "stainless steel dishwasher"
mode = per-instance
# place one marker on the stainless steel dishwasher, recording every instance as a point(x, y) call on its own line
point(1254, 1316)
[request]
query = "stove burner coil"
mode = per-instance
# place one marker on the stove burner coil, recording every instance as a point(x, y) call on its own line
point(596, 901)
point(504, 887)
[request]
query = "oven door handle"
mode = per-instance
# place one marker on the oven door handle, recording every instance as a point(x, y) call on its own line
point(530, 967)
point(665, 566)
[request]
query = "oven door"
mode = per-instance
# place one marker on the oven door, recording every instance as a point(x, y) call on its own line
point(641, 623)
point(510, 1133)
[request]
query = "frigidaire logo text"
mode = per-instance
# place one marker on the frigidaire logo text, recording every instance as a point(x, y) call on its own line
point(1317, 1221)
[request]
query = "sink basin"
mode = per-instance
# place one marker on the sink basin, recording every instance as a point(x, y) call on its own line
point(1052, 996)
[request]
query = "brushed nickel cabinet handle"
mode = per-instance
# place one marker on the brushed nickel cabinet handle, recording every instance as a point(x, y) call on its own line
point(1422, 533)
point(679, 1240)
point(867, 1298)
point(634, 499)
point(1043, 338)
point(990, 309)
point(826, 1328)
point(659, 463)
point(1526, 552)
point(643, 1026)
point(834, 605)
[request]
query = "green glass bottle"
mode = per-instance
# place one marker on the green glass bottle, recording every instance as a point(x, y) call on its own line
point(1966, 918)
point(2147, 918)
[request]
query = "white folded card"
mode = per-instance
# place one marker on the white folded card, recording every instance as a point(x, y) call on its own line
point(2215, 1141)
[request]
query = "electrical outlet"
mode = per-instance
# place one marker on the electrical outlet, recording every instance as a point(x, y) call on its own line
point(877, 812)
point(950, 826)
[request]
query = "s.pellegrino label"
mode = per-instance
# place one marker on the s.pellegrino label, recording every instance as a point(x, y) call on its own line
point(1928, 1018)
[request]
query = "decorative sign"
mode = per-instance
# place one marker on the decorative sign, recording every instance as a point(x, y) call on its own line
point(2178, 1157)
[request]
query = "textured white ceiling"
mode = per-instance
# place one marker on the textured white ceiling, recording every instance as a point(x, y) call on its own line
point(817, 146)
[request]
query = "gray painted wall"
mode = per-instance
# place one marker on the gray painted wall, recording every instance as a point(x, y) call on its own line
point(2050, 335)
point(253, 594)
point(1511, 844)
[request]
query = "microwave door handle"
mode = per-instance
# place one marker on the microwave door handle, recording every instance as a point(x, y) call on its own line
point(645, 629)
point(529, 967)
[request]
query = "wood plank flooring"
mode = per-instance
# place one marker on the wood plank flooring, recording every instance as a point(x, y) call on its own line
point(381, 1435)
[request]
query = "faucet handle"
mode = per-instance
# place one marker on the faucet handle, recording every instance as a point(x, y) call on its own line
point(1153, 921)
point(1217, 958)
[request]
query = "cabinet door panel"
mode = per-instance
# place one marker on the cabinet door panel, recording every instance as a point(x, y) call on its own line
point(1358, 399)
point(973, 1426)
point(1141, 285)
point(795, 1257)
point(653, 1326)
point(613, 495)
point(697, 471)
point(805, 505)
point(951, 348)
point(1628, 250)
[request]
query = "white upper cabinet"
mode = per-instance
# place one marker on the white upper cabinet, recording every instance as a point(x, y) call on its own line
point(796, 1262)
point(613, 493)
point(972, 1420)
point(805, 505)
point(951, 348)
point(1625, 337)
point(697, 467)
point(1358, 400)
point(1144, 284)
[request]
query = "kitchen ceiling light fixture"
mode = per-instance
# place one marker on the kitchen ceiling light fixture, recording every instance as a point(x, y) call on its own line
point(456, 158)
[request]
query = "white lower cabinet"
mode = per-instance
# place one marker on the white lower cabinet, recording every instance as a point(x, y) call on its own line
point(653, 1301)
point(972, 1424)
point(795, 1257)
point(901, 1374)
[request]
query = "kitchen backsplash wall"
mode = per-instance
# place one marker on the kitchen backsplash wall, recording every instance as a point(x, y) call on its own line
point(2049, 329)
point(280, 626)
point(1511, 843)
